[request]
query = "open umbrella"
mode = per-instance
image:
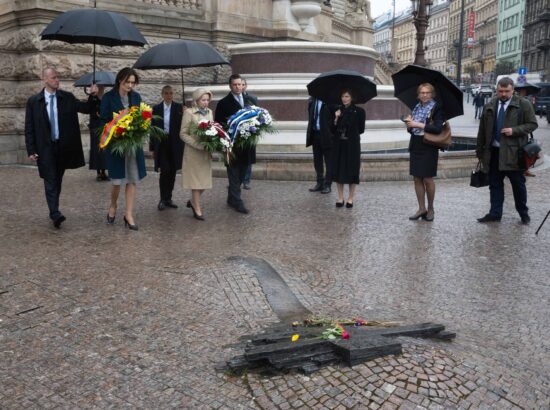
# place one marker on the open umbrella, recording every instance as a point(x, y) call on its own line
point(180, 54)
point(531, 89)
point(106, 78)
point(447, 93)
point(93, 26)
point(328, 86)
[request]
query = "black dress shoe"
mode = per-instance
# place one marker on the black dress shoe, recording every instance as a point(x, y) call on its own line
point(489, 218)
point(161, 206)
point(525, 219)
point(429, 216)
point(326, 190)
point(318, 187)
point(241, 208)
point(58, 221)
point(195, 214)
point(110, 219)
point(339, 204)
point(349, 204)
point(170, 204)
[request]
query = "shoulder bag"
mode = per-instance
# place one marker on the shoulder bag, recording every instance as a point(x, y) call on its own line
point(441, 140)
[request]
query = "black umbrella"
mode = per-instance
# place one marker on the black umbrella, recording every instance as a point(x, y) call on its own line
point(328, 86)
point(106, 78)
point(180, 54)
point(531, 89)
point(93, 26)
point(447, 93)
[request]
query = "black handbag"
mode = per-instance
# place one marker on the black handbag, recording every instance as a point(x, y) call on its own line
point(479, 178)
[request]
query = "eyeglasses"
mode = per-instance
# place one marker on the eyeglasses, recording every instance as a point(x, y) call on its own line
point(425, 92)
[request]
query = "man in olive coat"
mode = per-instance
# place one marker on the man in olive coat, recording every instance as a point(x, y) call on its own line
point(505, 125)
point(169, 152)
point(52, 136)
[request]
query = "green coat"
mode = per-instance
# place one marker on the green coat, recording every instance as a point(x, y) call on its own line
point(519, 116)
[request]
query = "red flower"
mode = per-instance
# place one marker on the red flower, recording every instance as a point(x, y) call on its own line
point(345, 335)
point(204, 125)
point(146, 115)
point(119, 130)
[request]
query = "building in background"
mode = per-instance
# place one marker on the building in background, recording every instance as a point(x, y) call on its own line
point(511, 15)
point(437, 36)
point(404, 39)
point(485, 40)
point(536, 38)
point(453, 43)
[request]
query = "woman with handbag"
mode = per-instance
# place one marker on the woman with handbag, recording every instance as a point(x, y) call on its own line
point(427, 116)
point(349, 124)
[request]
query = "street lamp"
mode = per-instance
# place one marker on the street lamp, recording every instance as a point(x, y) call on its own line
point(421, 13)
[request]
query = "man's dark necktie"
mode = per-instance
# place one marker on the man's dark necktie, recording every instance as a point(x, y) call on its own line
point(500, 122)
point(52, 118)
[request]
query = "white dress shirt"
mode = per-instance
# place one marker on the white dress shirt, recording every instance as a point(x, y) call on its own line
point(167, 109)
point(47, 97)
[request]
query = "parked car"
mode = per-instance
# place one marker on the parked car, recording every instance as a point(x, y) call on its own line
point(542, 99)
point(474, 89)
point(486, 90)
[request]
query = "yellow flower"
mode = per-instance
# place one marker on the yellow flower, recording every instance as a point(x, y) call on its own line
point(145, 107)
point(295, 337)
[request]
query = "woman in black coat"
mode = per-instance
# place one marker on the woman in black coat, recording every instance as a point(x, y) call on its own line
point(427, 116)
point(349, 124)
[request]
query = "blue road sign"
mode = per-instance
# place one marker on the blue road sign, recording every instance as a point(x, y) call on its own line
point(521, 79)
point(522, 71)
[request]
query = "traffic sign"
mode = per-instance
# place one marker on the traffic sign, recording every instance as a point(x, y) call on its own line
point(522, 71)
point(521, 79)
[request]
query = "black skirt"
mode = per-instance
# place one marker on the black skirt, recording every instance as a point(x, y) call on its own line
point(423, 158)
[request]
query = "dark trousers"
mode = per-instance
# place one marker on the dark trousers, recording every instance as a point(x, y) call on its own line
point(166, 184)
point(478, 111)
point(52, 186)
point(235, 175)
point(248, 174)
point(321, 160)
point(496, 187)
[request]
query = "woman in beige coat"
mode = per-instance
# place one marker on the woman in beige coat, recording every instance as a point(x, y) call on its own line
point(197, 163)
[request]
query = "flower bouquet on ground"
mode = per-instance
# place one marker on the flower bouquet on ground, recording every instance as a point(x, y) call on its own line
point(213, 137)
point(129, 130)
point(247, 125)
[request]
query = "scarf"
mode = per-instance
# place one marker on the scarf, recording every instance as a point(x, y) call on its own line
point(421, 113)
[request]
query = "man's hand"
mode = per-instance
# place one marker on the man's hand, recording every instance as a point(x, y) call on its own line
point(33, 157)
point(506, 131)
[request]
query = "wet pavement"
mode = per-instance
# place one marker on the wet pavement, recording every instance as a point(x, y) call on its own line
point(97, 316)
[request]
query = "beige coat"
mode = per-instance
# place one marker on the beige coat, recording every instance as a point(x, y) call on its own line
point(197, 163)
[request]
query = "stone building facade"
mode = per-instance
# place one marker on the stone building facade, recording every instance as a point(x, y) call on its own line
point(454, 35)
point(436, 37)
point(218, 22)
point(511, 15)
point(536, 38)
point(484, 50)
point(404, 39)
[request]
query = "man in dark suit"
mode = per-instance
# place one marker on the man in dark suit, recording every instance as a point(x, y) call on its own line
point(236, 169)
point(319, 135)
point(52, 136)
point(254, 101)
point(169, 152)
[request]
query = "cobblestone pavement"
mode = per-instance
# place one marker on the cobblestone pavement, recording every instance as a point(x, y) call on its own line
point(97, 316)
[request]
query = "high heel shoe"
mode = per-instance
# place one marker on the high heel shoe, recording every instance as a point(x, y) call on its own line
point(339, 204)
point(129, 225)
point(417, 216)
point(195, 214)
point(429, 216)
point(111, 219)
point(349, 204)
